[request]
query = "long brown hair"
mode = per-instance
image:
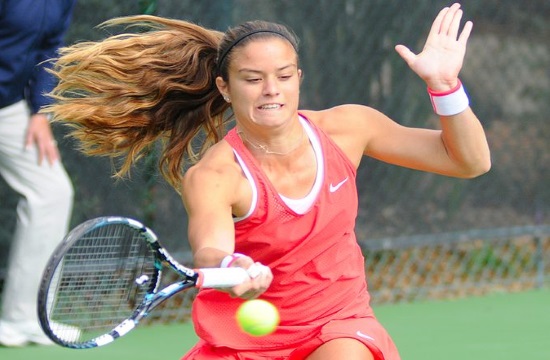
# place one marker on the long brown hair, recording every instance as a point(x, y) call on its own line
point(123, 94)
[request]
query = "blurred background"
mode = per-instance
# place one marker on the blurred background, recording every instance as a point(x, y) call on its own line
point(423, 235)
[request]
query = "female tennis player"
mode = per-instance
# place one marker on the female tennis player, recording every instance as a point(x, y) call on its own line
point(279, 187)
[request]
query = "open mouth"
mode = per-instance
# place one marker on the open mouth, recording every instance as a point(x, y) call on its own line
point(270, 107)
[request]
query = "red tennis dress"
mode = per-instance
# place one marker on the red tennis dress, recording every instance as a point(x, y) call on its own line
point(319, 284)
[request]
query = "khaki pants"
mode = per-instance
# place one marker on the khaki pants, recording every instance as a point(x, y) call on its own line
point(43, 214)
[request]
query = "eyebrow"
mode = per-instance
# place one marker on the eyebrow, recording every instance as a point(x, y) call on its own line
point(259, 72)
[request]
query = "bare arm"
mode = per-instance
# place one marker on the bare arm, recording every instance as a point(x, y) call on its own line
point(439, 65)
point(206, 196)
point(361, 130)
point(458, 149)
point(210, 192)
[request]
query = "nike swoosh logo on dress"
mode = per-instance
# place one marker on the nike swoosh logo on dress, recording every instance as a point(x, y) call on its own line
point(333, 188)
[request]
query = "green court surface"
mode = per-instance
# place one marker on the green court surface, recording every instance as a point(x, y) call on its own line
point(498, 326)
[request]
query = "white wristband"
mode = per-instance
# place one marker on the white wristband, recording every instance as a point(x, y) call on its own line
point(450, 102)
point(229, 259)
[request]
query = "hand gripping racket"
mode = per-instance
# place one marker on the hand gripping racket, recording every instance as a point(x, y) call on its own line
point(104, 278)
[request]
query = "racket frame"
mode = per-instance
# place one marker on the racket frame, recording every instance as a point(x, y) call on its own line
point(190, 278)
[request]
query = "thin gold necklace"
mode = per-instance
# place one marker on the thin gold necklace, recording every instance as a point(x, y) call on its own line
point(266, 150)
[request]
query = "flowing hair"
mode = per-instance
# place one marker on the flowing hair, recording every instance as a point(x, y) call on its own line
point(122, 94)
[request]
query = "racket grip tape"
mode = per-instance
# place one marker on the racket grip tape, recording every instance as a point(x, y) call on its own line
point(221, 277)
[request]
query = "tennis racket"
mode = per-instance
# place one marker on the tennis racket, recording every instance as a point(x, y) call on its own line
point(104, 278)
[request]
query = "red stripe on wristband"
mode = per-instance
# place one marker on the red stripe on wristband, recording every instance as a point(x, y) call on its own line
point(447, 92)
point(230, 259)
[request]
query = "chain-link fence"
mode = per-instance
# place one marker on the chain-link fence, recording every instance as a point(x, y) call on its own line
point(443, 266)
point(347, 56)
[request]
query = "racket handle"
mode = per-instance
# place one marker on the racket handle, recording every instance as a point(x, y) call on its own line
point(221, 277)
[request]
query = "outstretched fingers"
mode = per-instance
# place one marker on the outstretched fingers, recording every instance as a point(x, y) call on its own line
point(451, 20)
point(465, 34)
point(436, 25)
point(445, 29)
point(454, 24)
point(447, 22)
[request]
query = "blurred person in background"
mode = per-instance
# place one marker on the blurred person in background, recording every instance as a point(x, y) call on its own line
point(31, 32)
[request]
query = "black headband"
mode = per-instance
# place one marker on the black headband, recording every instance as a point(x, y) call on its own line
point(244, 36)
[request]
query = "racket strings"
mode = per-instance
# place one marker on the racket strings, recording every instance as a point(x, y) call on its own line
point(100, 281)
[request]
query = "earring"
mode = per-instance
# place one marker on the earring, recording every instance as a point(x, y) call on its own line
point(226, 98)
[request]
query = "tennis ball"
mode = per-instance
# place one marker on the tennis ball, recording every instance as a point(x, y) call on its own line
point(257, 317)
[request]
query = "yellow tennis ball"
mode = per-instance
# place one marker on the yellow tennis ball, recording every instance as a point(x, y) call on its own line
point(257, 317)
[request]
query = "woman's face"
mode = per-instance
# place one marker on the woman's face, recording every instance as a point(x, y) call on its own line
point(264, 82)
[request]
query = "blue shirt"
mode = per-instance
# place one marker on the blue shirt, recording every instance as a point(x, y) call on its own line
point(31, 31)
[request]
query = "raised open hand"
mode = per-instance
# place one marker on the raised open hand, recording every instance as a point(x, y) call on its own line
point(441, 59)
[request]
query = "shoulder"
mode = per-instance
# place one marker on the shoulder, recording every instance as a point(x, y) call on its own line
point(350, 126)
point(216, 174)
point(344, 118)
